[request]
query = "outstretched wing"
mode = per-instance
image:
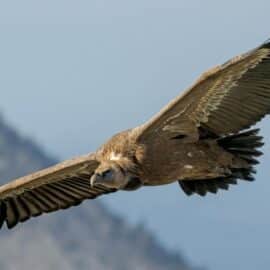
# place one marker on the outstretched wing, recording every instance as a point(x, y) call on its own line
point(224, 100)
point(59, 187)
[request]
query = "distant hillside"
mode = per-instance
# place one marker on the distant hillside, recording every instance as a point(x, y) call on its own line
point(86, 237)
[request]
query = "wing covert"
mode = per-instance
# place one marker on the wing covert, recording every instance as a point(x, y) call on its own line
point(224, 100)
point(58, 187)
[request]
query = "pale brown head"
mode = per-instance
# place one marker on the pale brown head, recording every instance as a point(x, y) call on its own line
point(110, 174)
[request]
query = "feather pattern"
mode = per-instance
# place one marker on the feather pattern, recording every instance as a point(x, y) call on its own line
point(60, 187)
point(243, 145)
point(224, 100)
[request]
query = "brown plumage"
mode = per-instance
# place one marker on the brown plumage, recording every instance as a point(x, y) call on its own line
point(197, 141)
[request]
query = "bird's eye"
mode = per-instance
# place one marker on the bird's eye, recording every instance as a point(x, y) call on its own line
point(106, 173)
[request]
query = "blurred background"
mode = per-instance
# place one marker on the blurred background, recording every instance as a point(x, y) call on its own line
point(75, 72)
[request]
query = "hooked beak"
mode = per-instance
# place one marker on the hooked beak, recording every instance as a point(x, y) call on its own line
point(96, 179)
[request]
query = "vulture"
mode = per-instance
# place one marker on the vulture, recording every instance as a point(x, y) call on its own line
point(202, 140)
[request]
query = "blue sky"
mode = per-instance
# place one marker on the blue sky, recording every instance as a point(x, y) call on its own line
point(74, 73)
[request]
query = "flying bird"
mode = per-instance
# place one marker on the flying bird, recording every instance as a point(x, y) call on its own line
point(200, 140)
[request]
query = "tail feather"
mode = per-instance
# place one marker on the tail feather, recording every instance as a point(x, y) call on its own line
point(243, 145)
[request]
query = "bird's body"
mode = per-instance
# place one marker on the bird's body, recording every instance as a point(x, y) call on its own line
point(187, 161)
point(203, 159)
point(198, 140)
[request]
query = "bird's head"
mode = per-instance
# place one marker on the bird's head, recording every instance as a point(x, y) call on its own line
point(109, 174)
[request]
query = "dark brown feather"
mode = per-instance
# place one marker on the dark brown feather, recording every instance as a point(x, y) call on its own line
point(227, 99)
point(243, 145)
point(59, 187)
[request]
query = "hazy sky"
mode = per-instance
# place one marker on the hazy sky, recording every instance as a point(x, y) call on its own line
point(75, 72)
